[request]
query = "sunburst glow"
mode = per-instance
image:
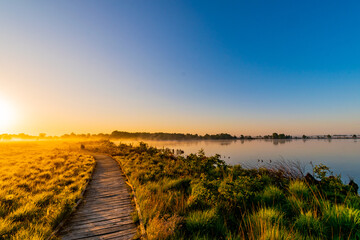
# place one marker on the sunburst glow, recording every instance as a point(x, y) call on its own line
point(6, 115)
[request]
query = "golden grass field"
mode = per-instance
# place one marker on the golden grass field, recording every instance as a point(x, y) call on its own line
point(40, 182)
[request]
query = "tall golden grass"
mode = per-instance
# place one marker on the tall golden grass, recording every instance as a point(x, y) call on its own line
point(40, 182)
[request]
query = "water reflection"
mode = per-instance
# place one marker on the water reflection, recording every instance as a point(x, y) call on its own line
point(341, 155)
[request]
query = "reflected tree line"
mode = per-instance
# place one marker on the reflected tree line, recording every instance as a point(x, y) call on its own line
point(277, 138)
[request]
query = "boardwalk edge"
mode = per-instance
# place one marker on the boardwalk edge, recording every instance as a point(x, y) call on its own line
point(66, 218)
point(141, 222)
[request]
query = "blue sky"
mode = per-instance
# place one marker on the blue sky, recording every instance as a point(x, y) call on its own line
point(181, 66)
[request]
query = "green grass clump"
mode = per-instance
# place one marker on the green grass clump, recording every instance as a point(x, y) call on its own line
point(205, 223)
point(342, 221)
point(310, 224)
point(299, 189)
point(272, 195)
point(270, 215)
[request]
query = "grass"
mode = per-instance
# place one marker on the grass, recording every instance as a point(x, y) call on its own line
point(201, 197)
point(40, 182)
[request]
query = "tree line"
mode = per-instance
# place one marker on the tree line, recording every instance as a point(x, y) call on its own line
point(169, 136)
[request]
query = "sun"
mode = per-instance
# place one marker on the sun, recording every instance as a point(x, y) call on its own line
point(6, 115)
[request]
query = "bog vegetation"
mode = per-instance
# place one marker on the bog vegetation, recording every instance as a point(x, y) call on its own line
point(200, 197)
point(39, 184)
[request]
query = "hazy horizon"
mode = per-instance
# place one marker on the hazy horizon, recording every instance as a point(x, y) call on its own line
point(193, 133)
point(250, 68)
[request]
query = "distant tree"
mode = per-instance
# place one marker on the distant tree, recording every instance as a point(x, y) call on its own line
point(275, 136)
point(242, 137)
point(282, 136)
point(304, 137)
point(42, 135)
point(328, 136)
point(354, 136)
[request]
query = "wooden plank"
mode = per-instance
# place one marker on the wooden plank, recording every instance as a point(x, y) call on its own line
point(98, 219)
point(101, 214)
point(106, 205)
point(88, 233)
point(106, 210)
point(119, 202)
point(124, 235)
point(100, 223)
point(112, 211)
point(80, 221)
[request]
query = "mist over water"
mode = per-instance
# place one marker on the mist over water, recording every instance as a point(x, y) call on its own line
point(341, 155)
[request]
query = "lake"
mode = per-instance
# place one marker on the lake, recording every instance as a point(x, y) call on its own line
point(341, 155)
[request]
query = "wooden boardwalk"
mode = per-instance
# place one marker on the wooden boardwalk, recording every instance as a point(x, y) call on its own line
point(105, 212)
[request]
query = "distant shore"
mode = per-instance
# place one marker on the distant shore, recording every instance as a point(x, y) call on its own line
point(169, 136)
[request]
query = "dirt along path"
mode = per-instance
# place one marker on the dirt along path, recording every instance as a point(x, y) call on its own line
point(105, 212)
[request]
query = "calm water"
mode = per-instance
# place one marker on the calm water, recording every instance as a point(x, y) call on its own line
point(341, 155)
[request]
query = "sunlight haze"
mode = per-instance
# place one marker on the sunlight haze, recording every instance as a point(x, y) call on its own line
point(179, 66)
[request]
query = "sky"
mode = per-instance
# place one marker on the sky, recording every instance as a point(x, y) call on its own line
point(242, 67)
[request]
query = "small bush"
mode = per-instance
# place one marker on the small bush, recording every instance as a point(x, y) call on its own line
point(200, 197)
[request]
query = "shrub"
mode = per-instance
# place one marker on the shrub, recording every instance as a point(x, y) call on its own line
point(236, 192)
point(200, 197)
point(353, 201)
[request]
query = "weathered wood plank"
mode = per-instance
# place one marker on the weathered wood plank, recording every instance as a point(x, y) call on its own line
point(98, 219)
point(124, 235)
point(101, 223)
point(106, 210)
point(99, 216)
point(87, 233)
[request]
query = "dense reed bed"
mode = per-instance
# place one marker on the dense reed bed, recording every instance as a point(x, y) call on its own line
point(40, 182)
point(200, 197)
